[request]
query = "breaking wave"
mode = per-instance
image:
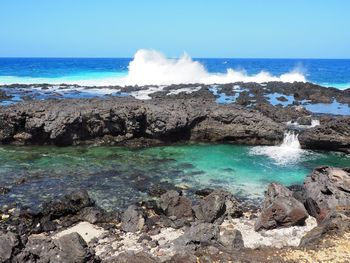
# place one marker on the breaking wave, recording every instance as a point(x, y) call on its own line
point(150, 67)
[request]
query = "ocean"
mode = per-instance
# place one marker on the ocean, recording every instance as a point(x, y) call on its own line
point(152, 67)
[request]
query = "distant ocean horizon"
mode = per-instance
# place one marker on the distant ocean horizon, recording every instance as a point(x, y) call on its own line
point(151, 67)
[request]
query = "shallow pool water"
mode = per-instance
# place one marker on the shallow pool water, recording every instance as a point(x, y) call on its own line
point(116, 176)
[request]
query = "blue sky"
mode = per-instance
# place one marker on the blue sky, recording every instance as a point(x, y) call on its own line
point(221, 28)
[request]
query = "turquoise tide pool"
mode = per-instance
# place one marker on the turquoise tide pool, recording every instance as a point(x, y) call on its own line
point(117, 176)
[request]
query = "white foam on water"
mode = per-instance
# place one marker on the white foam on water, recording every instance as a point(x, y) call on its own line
point(144, 94)
point(314, 123)
point(289, 152)
point(186, 90)
point(150, 67)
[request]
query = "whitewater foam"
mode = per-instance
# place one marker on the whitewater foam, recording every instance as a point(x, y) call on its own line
point(289, 152)
point(150, 67)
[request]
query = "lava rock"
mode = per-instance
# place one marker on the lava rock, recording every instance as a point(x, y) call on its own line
point(333, 135)
point(280, 209)
point(174, 204)
point(70, 204)
point(202, 233)
point(133, 219)
point(8, 244)
point(73, 248)
point(334, 224)
point(216, 206)
point(70, 248)
point(327, 189)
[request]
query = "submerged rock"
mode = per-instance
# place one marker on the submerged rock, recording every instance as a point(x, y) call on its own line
point(70, 204)
point(327, 189)
point(280, 209)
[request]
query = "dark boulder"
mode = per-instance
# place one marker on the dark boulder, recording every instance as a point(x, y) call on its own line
point(280, 209)
point(93, 215)
point(202, 234)
point(173, 204)
point(70, 204)
point(216, 206)
point(70, 248)
point(334, 224)
point(327, 189)
point(133, 219)
point(74, 248)
point(9, 243)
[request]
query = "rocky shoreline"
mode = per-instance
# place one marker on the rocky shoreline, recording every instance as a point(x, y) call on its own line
point(193, 116)
point(170, 227)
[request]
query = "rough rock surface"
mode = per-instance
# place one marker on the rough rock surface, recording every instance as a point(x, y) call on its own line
point(68, 122)
point(334, 223)
point(174, 204)
point(69, 248)
point(8, 243)
point(216, 206)
point(133, 219)
point(327, 189)
point(280, 209)
point(332, 134)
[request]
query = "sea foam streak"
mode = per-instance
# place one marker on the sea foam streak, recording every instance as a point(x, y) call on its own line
point(150, 67)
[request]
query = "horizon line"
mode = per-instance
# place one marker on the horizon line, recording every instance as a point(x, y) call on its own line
point(83, 57)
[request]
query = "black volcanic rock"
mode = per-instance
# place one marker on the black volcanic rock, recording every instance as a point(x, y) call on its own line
point(327, 189)
point(280, 209)
point(118, 120)
point(332, 134)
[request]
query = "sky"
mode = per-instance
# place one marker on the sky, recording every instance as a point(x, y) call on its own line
point(220, 28)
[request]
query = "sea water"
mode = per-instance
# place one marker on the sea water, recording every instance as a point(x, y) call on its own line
point(152, 67)
point(118, 176)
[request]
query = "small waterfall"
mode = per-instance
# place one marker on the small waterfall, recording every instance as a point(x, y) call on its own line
point(291, 140)
point(287, 153)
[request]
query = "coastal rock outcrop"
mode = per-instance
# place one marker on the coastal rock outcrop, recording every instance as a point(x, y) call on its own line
point(116, 120)
point(280, 209)
point(332, 134)
point(327, 189)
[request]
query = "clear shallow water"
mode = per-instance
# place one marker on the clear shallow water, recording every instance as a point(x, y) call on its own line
point(328, 72)
point(117, 176)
